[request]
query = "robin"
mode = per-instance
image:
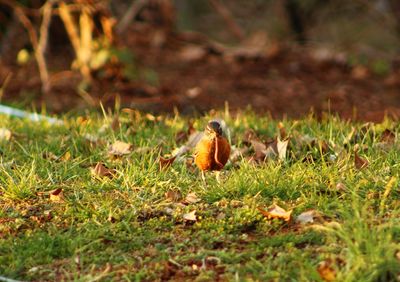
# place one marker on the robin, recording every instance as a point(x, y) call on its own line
point(213, 150)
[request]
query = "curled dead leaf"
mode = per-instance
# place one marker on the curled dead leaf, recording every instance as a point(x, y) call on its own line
point(273, 149)
point(194, 138)
point(237, 153)
point(173, 195)
point(307, 216)
point(282, 130)
point(192, 198)
point(57, 196)
point(388, 136)
point(115, 124)
point(165, 163)
point(101, 170)
point(183, 135)
point(66, 156)
point(191, 216)
point(341, 187)
point(360, 162)
point(276, 211)
point(119, 148)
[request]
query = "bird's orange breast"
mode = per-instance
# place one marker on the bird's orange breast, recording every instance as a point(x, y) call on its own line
point(212, 154)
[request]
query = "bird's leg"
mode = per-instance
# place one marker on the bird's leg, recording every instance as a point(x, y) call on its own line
point(203, 176)
point(218, 176)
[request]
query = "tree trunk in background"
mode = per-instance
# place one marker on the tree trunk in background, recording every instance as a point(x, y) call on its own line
point(395, 8)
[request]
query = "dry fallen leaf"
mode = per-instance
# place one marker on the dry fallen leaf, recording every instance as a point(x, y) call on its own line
point(50, 156)
point(5, 134)
point(191, 198)
point(173, 195)
point(119, 148)
point(102, 171)
point(341, 187)
point(282, 130)
point(183, 135)
point(307, 216)
point(275, 148)
point(260, 150)
point(237, 153)
point(282, 148)
point(57, 196)
point(165, 163)
point(115, 124)
point(388, 136)
point(194, 138)
point(360, 162)
point(326, 271)
point(276, 211)
point(191, 216)
point(66, 156)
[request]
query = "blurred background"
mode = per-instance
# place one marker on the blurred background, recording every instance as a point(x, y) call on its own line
point(283, 57)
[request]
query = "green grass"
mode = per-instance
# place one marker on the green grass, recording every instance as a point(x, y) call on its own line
point(123, 228)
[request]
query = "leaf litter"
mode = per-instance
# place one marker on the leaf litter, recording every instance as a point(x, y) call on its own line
point(276, 212)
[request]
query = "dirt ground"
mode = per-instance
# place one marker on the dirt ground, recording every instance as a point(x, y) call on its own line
point(195, 75)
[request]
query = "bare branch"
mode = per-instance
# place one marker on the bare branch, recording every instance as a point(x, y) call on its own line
point(38, 44)
point(227, 16)
point(132, 12)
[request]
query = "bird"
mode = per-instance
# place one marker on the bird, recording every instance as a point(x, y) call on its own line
point(213, 150)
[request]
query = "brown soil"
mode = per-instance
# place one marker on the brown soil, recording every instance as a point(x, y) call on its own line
point(279, 80)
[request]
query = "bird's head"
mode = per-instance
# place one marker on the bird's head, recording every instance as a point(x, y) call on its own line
point(214, 128)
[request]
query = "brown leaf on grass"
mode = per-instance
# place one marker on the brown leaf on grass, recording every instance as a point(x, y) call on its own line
point(5, 134)
point(119, 148)
point(275, 148)
point(340, 187)
point(102, 171)
point(66, 156)
point(388, 136)
point(359, 162)
point(387, 140)
point(282, 130)
point(173, 195)
point(307, 216)
point(282, 148)
point(191, 216)
point(183, 135)
point(326, 271)
point(165, 163)
point(115, 124)
point(237, 153)
point(50, 156)
point(276, 211)
point(192, 198)
point(93, 140)
point(57, 196)
point(260, 150)
point(249, 136)
point(193, 139)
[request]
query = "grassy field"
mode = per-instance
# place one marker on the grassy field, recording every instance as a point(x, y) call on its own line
point(62, 220)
